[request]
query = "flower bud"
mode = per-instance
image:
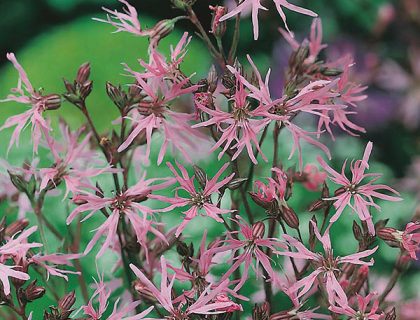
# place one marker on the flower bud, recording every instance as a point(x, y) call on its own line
point(331, 72)
point(116, 95)
point(86, 89)
point(67, 301)
point(325, 191)
point(317, 205)
point(16, 226)
point(18, 181)
point(235, 183)
point(388, 234)
point(212, 79)
point(33, 292)
point(312, 236)
point(144, 292)
point(218, 28)
point(357, 232)
point(261, 312)
point(391, 315)
point(201, 176)
point(290, 217)
point(258, 230)
point(83, 73)
point(162, 29)
point(183, 4)
point(52, 101)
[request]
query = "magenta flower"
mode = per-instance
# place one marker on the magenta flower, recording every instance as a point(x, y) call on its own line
point(24, 93)
point(361, 194)
point(198, 200)
point(255, 6)
point(207, 302)
point(410, 239)
point(252, 244)
point(326, 265)
point(15, 248)
point(364, 310)
point(313, 177)
point(122, 206)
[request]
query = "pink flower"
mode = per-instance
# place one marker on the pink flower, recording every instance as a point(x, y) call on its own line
point(326, 265)
point(73, 163)
point(54, 260)
point(361, 194)
point(314, 177)
point(154, 112)
point(206, 303)
point(15, 248)
point(285, 109)
point(24, 93)
point(252, 245)
point(410, 239)
point(197, 199)
point(102, 294)
point(126, 21)
point(123, 206)
point(255, 6)
point(364, 311)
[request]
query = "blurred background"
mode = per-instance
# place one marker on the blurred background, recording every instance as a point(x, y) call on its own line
point(51, 38)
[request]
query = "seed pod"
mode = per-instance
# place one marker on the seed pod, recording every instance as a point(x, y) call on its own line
point(235, 183)
point(67, 301)
point(18, 181)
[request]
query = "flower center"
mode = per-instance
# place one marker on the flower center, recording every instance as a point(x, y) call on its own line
point(352, 189)
point(199, 200)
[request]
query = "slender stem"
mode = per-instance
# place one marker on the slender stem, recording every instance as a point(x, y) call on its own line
point(252, 165)
point(392, 280)
point(217, 55)
point(235, 40)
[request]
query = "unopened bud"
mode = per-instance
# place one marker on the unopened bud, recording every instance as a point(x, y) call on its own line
point(339, 191)
point(65, 304)
point(183, 4)
point(33, 292)
point(212, 79)
point(162, 29)
point(312, 236)
point(357, 232)
point(18, 181)
point(183, 249)
point(218, 28)
point(258, 230)
point(391, 315)
point(290, 217)
point(317, 205)
point(325, 191)
point(331, 72)
point(201, 176)
point(83, 73)
point(86, 89)
point(115, 94)
point(52, 101)
point(77, 200)
point(16, 226)
point(261, 312)
point(235, 183)
point(144, 292)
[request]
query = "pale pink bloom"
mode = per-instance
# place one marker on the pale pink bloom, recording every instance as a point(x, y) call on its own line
point(255, 6)
point(361, 194)
point(197, 199)
point(410, 238)
point(326, 265)
point(365, 310)
point(274, 190)
point(314, 177)
point(49, 262)
point(126, 21)
point(124, 205)
point(155, 112)
point(206, 303)
point(24, 93)
point(73, 163)
point(250, 240)
point(284, 110)
point(314, 43)
point(102, 295)
point(15, 248)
